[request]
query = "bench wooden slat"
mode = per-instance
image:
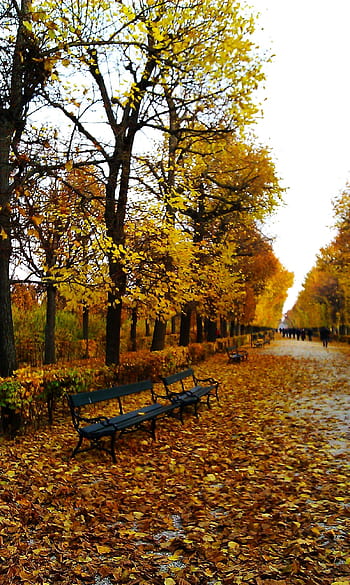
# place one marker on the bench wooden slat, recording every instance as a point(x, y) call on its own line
point(95, 396)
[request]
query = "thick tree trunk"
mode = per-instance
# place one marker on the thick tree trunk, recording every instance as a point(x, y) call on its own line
point(232, 328)
point(7, 339)
point(50, 326)
point(159, 331)
point(133, 330)
point(200, 332)
point(211, 331)
point(115, 209)
point(223, 327)
point(185, 327)
point(22, 83)
point(113, 329)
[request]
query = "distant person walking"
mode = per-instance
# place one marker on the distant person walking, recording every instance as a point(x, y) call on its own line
point(324, 336)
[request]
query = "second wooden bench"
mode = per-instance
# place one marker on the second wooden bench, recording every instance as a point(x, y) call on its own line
point(236, 355)
point(185, 389)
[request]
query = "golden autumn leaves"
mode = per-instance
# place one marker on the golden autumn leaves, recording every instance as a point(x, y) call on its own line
point(252, 492)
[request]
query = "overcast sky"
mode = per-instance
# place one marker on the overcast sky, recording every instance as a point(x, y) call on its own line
point(306, 121)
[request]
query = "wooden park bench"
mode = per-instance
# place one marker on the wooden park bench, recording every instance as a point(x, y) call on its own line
point(185, 389)
point(261, 339)
point(258, 340)
point(236, 355)
point(96, 428)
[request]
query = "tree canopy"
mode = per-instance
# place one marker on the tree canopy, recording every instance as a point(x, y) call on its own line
point(154, 100)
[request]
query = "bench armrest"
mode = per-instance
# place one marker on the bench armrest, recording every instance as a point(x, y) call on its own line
point(178, 396)
point(210, 380)
point(156, 396)
point(91, 420)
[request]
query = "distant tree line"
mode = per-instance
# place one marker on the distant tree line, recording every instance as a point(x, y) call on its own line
point(324, 299)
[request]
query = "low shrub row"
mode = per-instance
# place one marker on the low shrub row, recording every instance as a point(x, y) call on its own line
point(30, 397)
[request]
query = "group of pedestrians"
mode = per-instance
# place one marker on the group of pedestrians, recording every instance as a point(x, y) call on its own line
point(296, 333)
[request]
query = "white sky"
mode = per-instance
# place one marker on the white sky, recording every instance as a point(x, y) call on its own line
point(306, 121)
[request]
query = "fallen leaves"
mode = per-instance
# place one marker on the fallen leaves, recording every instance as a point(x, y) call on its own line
point(251, 493)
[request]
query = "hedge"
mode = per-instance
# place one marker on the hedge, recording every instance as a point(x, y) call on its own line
point(30, 397)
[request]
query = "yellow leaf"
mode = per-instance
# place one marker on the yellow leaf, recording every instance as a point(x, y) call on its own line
point(103, 549)
point(210, 477)
point(169, 581)
point(32, 232)
point(3, 234)
point(36, 219)
point(69, 165)
point(233, 546)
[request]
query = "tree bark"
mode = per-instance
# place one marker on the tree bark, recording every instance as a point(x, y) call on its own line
point(86, 329)
point(185, 327)
point(113, 329)
point(133, 330)
point(50, 326)
point(7, 338)
point(223, 327)
point(211, 331)
point(159, 331)
point(199, 329)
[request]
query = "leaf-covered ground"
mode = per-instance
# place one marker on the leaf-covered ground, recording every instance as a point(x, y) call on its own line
point(256, 491)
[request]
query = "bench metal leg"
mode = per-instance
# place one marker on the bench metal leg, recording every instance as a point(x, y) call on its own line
point(153, 428)
point(113, 439)
point(76, 449)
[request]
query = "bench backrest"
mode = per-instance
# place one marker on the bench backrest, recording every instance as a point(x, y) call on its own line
point(115, 392)
point(179, 378)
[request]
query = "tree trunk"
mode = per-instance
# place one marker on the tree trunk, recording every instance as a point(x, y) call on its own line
point(159, 331)
point(223, 327)
point(199, 329)
point(22, 79)
point(115, 209)
point(7, 338)
point(211, 331)
point(133, 329)
point(185, 327)
point(113, 329)
point(85, 322)
point(86, 329)
point(50, 326)
point(232, 328)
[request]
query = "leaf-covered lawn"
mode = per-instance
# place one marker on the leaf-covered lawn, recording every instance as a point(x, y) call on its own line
point(256, 491)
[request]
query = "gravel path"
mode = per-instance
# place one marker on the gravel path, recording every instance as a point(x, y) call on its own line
point(309, 349)
point(327, 400)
